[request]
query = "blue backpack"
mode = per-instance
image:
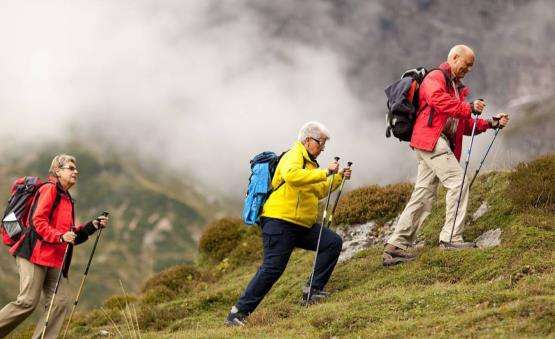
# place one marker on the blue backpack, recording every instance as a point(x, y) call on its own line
point(263, 167)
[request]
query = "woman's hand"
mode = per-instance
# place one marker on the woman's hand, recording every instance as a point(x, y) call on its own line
point(69, 237)
point(101, 222)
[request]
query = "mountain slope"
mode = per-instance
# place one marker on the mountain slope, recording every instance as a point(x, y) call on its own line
point(500, 291)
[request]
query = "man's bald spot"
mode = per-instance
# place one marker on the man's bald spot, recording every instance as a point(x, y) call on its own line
point(462, 51)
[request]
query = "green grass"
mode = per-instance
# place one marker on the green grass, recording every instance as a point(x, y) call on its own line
point(505, 291)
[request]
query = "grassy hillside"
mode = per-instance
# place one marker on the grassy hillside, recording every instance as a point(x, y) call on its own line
point(156, 218)
point(498, 292)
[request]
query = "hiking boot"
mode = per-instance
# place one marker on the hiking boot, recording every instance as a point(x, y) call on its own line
point(448, 246)
point(394, 255)
point(236, 318)
point(316, 295)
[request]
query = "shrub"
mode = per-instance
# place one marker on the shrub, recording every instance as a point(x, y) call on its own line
point(372, 203)
point(158, 295)
point(248, 249)
point(118, 301)
point(159, 317)
point(176, 278)
point(229, 238)
point(533, 184)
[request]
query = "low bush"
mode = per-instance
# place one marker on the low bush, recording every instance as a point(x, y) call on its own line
point(176, 278)
point(372, 203)
point(221, 237)
point(118, 301)
point(158, 295)
point(230, 238)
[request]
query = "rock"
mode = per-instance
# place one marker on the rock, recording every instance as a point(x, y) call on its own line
point(103, 333)
point(355, 239)
point(483, 209)
point(490, 238)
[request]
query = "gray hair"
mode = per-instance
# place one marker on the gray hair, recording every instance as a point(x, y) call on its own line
point(60, 161)
point(313, 129)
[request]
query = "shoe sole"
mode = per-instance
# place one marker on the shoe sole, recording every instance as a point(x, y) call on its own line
point(312, 302)
point(234, 323)
point(395, 261)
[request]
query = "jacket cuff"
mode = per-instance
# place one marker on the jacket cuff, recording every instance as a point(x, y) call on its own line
point(89, 228)
point(469, 109)
point(57, 237)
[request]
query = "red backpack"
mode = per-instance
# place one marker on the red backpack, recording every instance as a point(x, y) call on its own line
point(16, 215)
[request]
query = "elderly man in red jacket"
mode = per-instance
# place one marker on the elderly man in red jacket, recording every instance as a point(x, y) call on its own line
point(40, 251)
point(443, 118)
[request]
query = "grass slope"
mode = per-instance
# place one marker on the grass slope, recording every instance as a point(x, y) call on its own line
point(497, 292)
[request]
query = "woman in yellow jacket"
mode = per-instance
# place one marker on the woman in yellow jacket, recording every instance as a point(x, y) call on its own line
point(288, 220)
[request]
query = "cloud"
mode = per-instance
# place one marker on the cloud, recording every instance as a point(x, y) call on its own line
point(200, 86)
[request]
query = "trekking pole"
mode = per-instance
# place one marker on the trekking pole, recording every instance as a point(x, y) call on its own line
point(55, 291)
point(484, 158)
point(338, 195)
point(464, 175)
point(320, 236)
point(105, 214)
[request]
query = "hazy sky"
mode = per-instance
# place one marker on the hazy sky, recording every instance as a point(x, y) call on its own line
point(197, 85)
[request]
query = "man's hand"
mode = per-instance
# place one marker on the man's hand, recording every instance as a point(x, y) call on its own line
point(333, 167)
point(500, 120)
point(101, 222)
point(346, 172)
point(69, 237)
point(478, 106)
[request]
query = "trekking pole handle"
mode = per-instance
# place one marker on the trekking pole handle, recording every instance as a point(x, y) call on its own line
point(104, 214)
point(472, 107)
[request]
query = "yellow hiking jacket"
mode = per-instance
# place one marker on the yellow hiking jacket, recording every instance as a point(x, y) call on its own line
point(297, 190)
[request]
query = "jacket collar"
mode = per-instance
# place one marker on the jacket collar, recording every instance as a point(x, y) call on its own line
point(307, 156)
point(56, 182)
point(447, 69)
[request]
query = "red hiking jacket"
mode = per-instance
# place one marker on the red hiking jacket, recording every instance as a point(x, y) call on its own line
point(439, 99)
point(42, 244)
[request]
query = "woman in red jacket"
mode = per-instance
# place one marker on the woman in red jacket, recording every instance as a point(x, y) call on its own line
point(40, 251)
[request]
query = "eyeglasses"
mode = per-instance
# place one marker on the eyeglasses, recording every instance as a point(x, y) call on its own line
point(71, 168)
point(319, 142)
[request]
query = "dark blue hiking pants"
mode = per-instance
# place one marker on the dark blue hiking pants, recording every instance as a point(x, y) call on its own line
point(279, 238)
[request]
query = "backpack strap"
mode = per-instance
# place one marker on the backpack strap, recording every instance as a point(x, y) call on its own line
point(35, 202)
point(447, 83)
point(283, 181)
point(56, 203)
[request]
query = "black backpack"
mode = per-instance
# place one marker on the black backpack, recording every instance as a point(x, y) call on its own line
point(402, 103)
point(19, 208)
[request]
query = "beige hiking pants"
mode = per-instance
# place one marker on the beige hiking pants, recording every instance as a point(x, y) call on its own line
point(34, 279)
point(434, 167)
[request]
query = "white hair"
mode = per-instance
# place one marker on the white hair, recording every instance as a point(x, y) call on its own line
point(60, 161)
point(313, 129)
